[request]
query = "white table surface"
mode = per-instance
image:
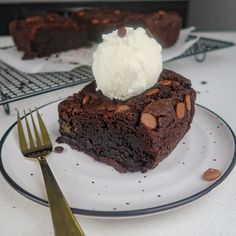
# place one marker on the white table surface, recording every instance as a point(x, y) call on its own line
point(214, 214)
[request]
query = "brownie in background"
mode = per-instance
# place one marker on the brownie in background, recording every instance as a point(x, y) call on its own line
point(99, 21)
point(164, 26)
point(39, 36)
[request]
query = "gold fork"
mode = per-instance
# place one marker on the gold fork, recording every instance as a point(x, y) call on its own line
point(64, 221)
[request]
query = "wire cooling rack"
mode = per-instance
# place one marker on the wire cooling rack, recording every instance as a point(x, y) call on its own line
point(202, 46)
point(16, 85)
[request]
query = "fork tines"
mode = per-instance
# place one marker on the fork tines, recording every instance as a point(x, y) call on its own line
point(38, 143)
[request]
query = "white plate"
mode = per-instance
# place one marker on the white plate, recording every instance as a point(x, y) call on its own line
point(95, 189)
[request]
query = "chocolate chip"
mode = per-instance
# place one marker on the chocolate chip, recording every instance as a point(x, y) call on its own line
point(161, 13)
point(152, 92)
point(105, 21)
point(143, 169)
point(86, 100)
point(73, 63)
point(203, 82)
point(165, 82)
point(188, 102)
point(81, 14)
point(180, 110)
point(117, 12)
point(121, 32)
point(122, 108)
point(211, 174)
point(95, 21)
point(149, 120)
point(58, 149)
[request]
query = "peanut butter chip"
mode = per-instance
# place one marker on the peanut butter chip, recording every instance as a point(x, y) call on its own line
point(121, 32)
point(32, 19)
point(117, 12)
point(161, 13)
point(86, 99)
point(95, 21)
point(152, 92)
point(180, 110)
point(122, 108)
point(149, 120)
point(105, 21)
point(101, 107)
point(188, 102)
point(81, 13)
point(211, 174)
point(165, 82)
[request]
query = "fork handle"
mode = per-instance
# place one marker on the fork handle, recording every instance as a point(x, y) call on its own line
point(64, 221)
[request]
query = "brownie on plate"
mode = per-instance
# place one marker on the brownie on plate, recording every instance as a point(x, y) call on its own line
point(135, 135)
point(39, 36)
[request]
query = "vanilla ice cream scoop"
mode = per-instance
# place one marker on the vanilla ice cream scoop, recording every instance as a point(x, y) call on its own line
point(127, 63)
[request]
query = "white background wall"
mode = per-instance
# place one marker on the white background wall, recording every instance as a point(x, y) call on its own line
point(212, 14)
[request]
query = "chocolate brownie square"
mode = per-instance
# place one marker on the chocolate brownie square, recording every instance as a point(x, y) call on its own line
point(164, 26)
point(132, 135)
point(40, 36)
point(99, 21)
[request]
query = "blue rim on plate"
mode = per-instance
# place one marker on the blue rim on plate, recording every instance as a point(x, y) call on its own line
point(129, 213)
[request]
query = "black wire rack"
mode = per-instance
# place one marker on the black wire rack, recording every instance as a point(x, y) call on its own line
point(202, 46)
point(16, 85)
